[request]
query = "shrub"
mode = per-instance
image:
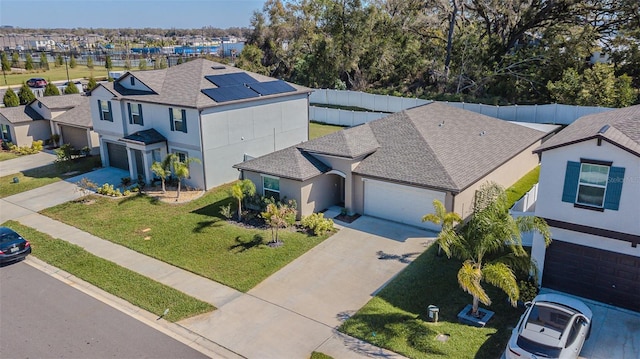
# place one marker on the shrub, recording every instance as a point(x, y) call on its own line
point(225, 211)
point(10, 98)
point(109, 190)
point(85, 186)
point(86, 151)
point(317, 224)
point(528, 290)
point(64, 153)
point(36, 146)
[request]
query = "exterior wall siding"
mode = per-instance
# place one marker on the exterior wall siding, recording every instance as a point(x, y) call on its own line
point(319, 193)
point(505, 175)
point(24, 134)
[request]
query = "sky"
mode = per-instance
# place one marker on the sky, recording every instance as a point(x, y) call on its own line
point(166, 14)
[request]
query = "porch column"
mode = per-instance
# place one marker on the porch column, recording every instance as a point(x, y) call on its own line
point(132, 164)
point(147, 160)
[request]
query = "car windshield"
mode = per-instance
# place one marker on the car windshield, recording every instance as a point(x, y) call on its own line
point(540, 350)
point(6, 237)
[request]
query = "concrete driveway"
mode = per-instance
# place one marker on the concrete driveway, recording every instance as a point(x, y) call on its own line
point(296, 310)
point(23, 163)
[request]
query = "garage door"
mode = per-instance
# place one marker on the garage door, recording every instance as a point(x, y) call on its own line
point(117, 156)
point(399, 203)
point(605, 276)
point(77, 137)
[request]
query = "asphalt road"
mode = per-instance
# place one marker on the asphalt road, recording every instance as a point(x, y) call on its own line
point(42, 317)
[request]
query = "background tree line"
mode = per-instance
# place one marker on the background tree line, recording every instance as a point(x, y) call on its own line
point(495, 51)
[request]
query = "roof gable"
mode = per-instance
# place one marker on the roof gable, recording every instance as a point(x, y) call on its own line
point(299, 164)
point(351, 143)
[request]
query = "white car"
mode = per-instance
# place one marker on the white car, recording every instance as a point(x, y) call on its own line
point(552, 326)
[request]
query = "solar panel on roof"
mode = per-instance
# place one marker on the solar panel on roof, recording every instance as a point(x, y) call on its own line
point(271, 87)
point(230, 93)
point(234, 79)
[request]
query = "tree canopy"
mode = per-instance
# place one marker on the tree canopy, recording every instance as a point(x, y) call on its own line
point(10, 98)
point(504, 52)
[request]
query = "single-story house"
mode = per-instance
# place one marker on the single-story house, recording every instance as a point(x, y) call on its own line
point(396, 166)
point(21, 125)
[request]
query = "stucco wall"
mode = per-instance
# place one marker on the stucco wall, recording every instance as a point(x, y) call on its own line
point(289, 189)
point(253, 128)
point(25, 133)
point(352, 201)
point(552, 173)
point(319, 193)
point(505, 175)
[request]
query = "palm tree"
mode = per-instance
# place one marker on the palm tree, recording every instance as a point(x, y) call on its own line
point(275, 215)
point(162, 170)
point(490, 243)
point(181, 169)
point(241, 189)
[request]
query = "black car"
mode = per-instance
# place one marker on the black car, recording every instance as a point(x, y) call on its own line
point(12, 246)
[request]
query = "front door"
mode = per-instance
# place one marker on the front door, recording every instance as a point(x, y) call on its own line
point(137, 154)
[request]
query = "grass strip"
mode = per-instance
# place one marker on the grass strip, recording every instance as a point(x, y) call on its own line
point(135, 288)
point(524, 184)
point(42, 176)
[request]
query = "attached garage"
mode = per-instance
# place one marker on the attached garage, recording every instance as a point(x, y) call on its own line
point(605, 276)
point(117, 156)
point(75, 136)
point(400, 203)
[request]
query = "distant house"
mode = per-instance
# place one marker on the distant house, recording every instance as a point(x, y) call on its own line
point(589, 193)
point(22, 125)
point(215, 113)
point(394, 167)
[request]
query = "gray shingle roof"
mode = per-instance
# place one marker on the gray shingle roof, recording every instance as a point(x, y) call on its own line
point(79, 116)
point(437, 145)
point(415, 147)
point(20, 114)
point(145, 137)
point(181, 85)
point(62, 101)
point(352, 143)
point(621, 126)
point(287, 163)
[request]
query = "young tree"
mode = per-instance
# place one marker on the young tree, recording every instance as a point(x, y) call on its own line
point(142, 64)
point(44, 62)
point(162, 170)
point(180, 169)
point(90, 62)
point(59, 60)
point(51, 89)
point(92, 83)
point(275, 215)
point(28, 64)
point(239, 191)
point(127, 64)
point(10, 98)
point(490, 243)
point(25, 94)
point(6, 65)
point(15, 59)
point(107, 62)
point(71, 88)
point(72, 62)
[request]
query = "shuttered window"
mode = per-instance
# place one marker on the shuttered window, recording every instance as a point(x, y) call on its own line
point(178, 120)
point(592, 184)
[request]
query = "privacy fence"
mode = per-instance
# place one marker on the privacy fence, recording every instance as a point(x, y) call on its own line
point(378, 106)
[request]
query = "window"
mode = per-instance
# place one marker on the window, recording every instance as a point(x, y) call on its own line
point(5, 132)
point(105, 110)
point(271, 187)
point(133, 80)
point(182, 156)
point(178, 120)
point(593, 184)
point(135, 114)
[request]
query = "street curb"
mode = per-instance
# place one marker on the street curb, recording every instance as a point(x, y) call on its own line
point(173, 330)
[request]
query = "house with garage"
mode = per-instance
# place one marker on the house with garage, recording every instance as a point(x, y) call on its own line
point(394, 167)
point(70, 118)
point(217, 114)
point(589, 194)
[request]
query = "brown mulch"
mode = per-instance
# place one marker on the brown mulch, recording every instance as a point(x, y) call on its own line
point(171, 194)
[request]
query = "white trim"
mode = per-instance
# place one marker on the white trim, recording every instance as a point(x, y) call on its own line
point(336, 172)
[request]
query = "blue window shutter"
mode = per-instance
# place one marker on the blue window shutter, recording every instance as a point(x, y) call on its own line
point(571, 178)
point(140, 114)
point(129, 109)
point(184, 121)
point(614, 188)
point(100, 110)
point(110, 112)
point(171, 118)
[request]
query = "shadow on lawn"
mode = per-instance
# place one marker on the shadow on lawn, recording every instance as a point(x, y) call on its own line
point(242, 246)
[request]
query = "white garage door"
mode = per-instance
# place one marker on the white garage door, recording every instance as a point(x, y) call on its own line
point(399, 203)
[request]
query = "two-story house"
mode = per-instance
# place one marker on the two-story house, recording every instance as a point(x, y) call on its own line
point(589, 194)
point(217, 114)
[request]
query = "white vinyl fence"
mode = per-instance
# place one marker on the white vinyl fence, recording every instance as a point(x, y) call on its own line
point(382, 105)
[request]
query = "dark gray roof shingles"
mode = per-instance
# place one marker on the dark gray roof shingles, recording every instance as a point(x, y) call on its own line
point(79, 116)
point(146, 137)
point(352, 143)
point(290, 162)
point(20, 114)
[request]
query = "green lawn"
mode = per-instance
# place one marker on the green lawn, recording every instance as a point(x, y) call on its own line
point(7, 155)
point(397, 318)
point(119, 281)
point(45, 175)
point(317, 129)
point(191, 236)
point(15, 79)
point(524, 184)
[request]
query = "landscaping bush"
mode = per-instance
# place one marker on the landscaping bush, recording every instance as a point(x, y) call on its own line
point(36, 146)
point(317, 224)
point(109, 190)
